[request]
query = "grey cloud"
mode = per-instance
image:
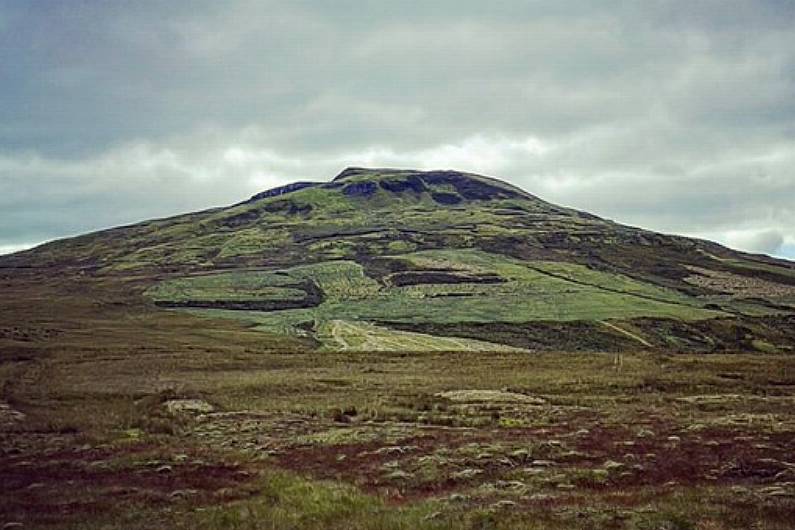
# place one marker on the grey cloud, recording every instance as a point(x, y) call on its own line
point(767, 241)
point(552, 70)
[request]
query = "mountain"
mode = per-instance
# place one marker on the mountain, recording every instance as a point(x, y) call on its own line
point(387, 259)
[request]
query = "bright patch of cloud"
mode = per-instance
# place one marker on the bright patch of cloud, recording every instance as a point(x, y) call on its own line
point(476, 154)
point(787, 251)
point(761, 241)
point(10, 249)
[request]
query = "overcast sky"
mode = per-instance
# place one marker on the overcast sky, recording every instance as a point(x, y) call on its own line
point(673, 116)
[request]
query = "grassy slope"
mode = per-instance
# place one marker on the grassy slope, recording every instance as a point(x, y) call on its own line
point(227, 286)
point(342, 335)
point(560, 265)
point(530, 291)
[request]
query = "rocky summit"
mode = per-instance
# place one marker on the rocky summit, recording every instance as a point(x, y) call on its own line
point(388, 259)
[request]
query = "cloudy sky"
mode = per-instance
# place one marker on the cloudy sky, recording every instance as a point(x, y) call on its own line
point(677, 116)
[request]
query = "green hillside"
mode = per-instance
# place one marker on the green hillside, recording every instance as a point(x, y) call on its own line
point(439, 254)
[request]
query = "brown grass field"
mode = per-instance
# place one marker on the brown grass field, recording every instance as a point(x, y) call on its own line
point(115, 414)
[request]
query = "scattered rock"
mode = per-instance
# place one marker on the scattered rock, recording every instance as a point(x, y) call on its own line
point(225, 493)
point(188, 406)
point(133, 433)
point(398, 474)
point(489, 396)
point(710, 399)
point(9, 416)
point(786, 475)
point(520, 454)
point(777, 491)
point(573, 454)
point(467, 473)
point(393, 450)
point(182, 494)
point(510, 484)
point(541, 497)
